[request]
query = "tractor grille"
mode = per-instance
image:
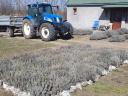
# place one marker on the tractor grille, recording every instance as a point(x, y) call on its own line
point(61, 19)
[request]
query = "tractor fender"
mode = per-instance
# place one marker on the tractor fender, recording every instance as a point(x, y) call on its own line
point(46, 22)
point(30, 18)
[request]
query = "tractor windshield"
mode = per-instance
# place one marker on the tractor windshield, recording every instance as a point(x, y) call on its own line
point(45, 9)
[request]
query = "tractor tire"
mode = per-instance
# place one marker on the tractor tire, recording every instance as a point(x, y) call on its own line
point(10, 31)
point(69, 31)
point(47, 32)
point(28, 29)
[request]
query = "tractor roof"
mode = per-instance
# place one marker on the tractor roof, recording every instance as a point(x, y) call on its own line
point(39, 4)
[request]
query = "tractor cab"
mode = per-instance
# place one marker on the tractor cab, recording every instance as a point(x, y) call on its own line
point(43, 13)
point(34, 9)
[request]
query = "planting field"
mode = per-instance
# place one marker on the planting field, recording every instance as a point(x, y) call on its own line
point(47, 68)
point(47, 72)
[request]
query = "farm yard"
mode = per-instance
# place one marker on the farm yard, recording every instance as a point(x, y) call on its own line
point(47, 68)
point(52, 48)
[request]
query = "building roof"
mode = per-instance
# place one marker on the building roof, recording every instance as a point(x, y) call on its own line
point(97, 2)
point(115, 6)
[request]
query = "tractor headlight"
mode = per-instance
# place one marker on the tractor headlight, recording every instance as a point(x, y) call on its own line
point(48, 19)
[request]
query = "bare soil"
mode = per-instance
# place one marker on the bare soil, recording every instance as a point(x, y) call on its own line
point(76, 40)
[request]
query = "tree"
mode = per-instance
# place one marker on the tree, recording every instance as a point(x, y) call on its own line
point(5, 7)
point(18, 7)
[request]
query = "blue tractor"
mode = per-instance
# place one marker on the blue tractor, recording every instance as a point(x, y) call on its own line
point(41, 21)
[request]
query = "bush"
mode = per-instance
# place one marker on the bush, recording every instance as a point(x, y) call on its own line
point(124, 31)
point(98, 35)
point(121, 31)
point(113, 33)
point(50, 71)
point(126, 36)
point(117, 38)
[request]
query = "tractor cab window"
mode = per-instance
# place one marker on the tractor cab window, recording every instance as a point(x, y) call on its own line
point(45, 9)
point(32, 11)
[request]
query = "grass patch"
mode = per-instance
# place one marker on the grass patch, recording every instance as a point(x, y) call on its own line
point(9, 47)
point(101, 88)
point(5, 93)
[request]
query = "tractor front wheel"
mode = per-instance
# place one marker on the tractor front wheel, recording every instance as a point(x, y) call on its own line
point(68, 31)
point(47, 32)
point(28, 29)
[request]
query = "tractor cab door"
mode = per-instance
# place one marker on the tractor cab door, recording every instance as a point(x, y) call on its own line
point(34, 13)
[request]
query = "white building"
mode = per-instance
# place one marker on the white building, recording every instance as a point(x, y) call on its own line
point(89, 14)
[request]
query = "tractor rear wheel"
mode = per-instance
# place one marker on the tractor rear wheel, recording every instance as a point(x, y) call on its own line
point(28, 29)
point(10, 31)
point(47, 32)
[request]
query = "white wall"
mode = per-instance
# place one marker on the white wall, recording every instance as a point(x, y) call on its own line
point(85, 17)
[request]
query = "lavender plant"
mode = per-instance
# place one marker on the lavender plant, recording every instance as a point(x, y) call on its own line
point(98, 35)
point(50, 71)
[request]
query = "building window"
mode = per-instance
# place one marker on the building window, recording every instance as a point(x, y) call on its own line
point(75, 11)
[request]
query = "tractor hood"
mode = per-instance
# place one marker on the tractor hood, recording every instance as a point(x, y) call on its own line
point(52, 18)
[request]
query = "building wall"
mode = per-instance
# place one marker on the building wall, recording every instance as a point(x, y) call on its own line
point(85, 17)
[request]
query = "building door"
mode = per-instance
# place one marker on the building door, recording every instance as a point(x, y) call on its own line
point(116, 18)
